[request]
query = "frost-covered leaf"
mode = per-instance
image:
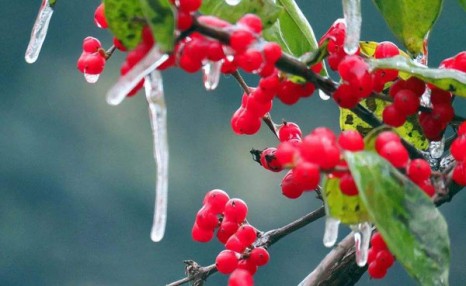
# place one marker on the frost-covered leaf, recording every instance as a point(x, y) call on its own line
point(267, 10)
point(410, 20)
point(347, 209)
point(411, 131)
point(124, 20)
point(292, 30)
point(446, 79)
point(413, 228)
point(160, 17)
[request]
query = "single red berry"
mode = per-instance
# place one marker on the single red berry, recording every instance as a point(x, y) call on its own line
point(91, 45)
point(377, 242)
point(251, 22)
point(234, 244)
point(345, 97)
point(386, 50)
point(206, 219)
point(272, 52)
point(459, 173)
point(288, 131)
point(240, 40)
point(95, 64)
point(395, 153)
point(250, 60)
point(215, 51)
point(226, 230)
point(260, 256)
point(99, 17)
point(384, 258)
point(286, 153)
point(290, 188)
point(236, 210)
point(371, 255)
point(201, 235)
point(351, 140)
point(406, 102)
point(184, 20)
point(438, 96)
point(348, 185)
point(255, 105)
point(462, 129)
point(392, 116)
point(415, 85)
point(269, 161)
point(245, 122)
point(443, 112)
point(288, 92)
point(418, 170)
point(226, 261)
point(247, 234)
point(240, 277)
point(216, 200)
point(307, 175)
point(376, 271)
point(427, 188)
point(248, 265)
point(385, 137)
point(189, 5)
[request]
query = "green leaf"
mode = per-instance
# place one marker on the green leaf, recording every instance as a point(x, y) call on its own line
point(160, 17)
point(413, 228)
point(124, 18)
point(463, 3)
point(292, 30)
point(267, 10)
point(410, 20)
point(446, 79)
point(52, 3)
point(348, 209)
point(411, 131)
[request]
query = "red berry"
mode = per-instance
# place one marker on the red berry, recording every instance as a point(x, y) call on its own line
point(250, 60)
point(226, 261)
point(290, 188)
point(236, 210)
point(384, 258)
point(406, 102)
point(94, 64)
point(351, 140)
point(345, 97)
point(376, 271)
point(251, 22)
point(245, 122)
point(392, 116)
point(234, 244)
point(418, 170)
point(189, 5)
point(184, 20)
point(91, 44)
point(377, 242)
point(386, 50)
point(462, 129)
point(385, 137)
point(269, 161)
point(307, 175)
point(348, 185)
point(216, 200)
point(201, 234)
point(240, 277)
point(286, 153)
point(240, 40)
point(247, 234)
point(288, 131)
point(99, 17)
point(395, 153)
point(438, 96)
point(260, 256)
point(206, 219)
point(459, 173)
point(272, 52)
point(226, 230)
point(248, 265)
point(371, 255)
point(118, 44)
point(427, 188)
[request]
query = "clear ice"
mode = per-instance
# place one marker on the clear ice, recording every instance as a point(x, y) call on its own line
point(39, 31)
point(158, 118)
point(323, 95)
point(362, 238)
point(91, 78)
point(232, 2)
point(352, 14)
point(331, 231)
point(126, 83)
point(211, 74)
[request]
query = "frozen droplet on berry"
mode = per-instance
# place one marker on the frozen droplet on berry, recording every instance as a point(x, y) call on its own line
point(91, 78)
point(232, 2)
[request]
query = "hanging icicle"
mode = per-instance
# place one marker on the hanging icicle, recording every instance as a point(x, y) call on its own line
point(362, 238)
point(352, 14)
point(153, 59)
point(331, 231)
point(211, 74)
point(39, 31)
point(158, 118)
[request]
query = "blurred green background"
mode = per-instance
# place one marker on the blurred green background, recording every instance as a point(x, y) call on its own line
point(77, 175)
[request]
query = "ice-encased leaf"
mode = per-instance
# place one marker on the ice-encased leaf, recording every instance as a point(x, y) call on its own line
point(124, 20)
point(267, 10)
point(446, 79)
point(39, 31)
point(352, 14)
point(347, 209)
point(413, 228)
point(292, 30)
point(410, 20)
point(158, 118)
point(161, 19)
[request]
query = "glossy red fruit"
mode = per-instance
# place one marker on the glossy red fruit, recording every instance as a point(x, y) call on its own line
point(348, 185)
point(91, 45)
point(247, 234)
point(288, 131)
point(406, 102)
point(395, 153)
point(377, 242)
point(351, 140)
point(201, 235)
point(459, 173)
point(236, 210)
point(418, 170)
point(206, 219)
point(240, 40)
point(216, 200)
point(99, 17)
point(392, 116)
point(226, 261)
point(240, 277)
point(259, 256)
point(251, 22)
point(385, 259)
point(290, 188)
point(269, 161)
point(307, 175)
point(376, 270)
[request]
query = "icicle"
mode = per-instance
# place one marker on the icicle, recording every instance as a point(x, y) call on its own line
point(352, 14)
point(39, 31)
point(436, 148)
point(362, 238)
point(211, 74)
point(158, 117)
point(232, 2)
point(323, 95)
point(91, 78)
point(331, 231)
point(153, 59)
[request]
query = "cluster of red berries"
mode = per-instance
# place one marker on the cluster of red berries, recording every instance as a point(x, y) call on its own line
point(93, 58)
point(458, 151)
point(241, 258)
point(379, 257)
point(388, 145)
